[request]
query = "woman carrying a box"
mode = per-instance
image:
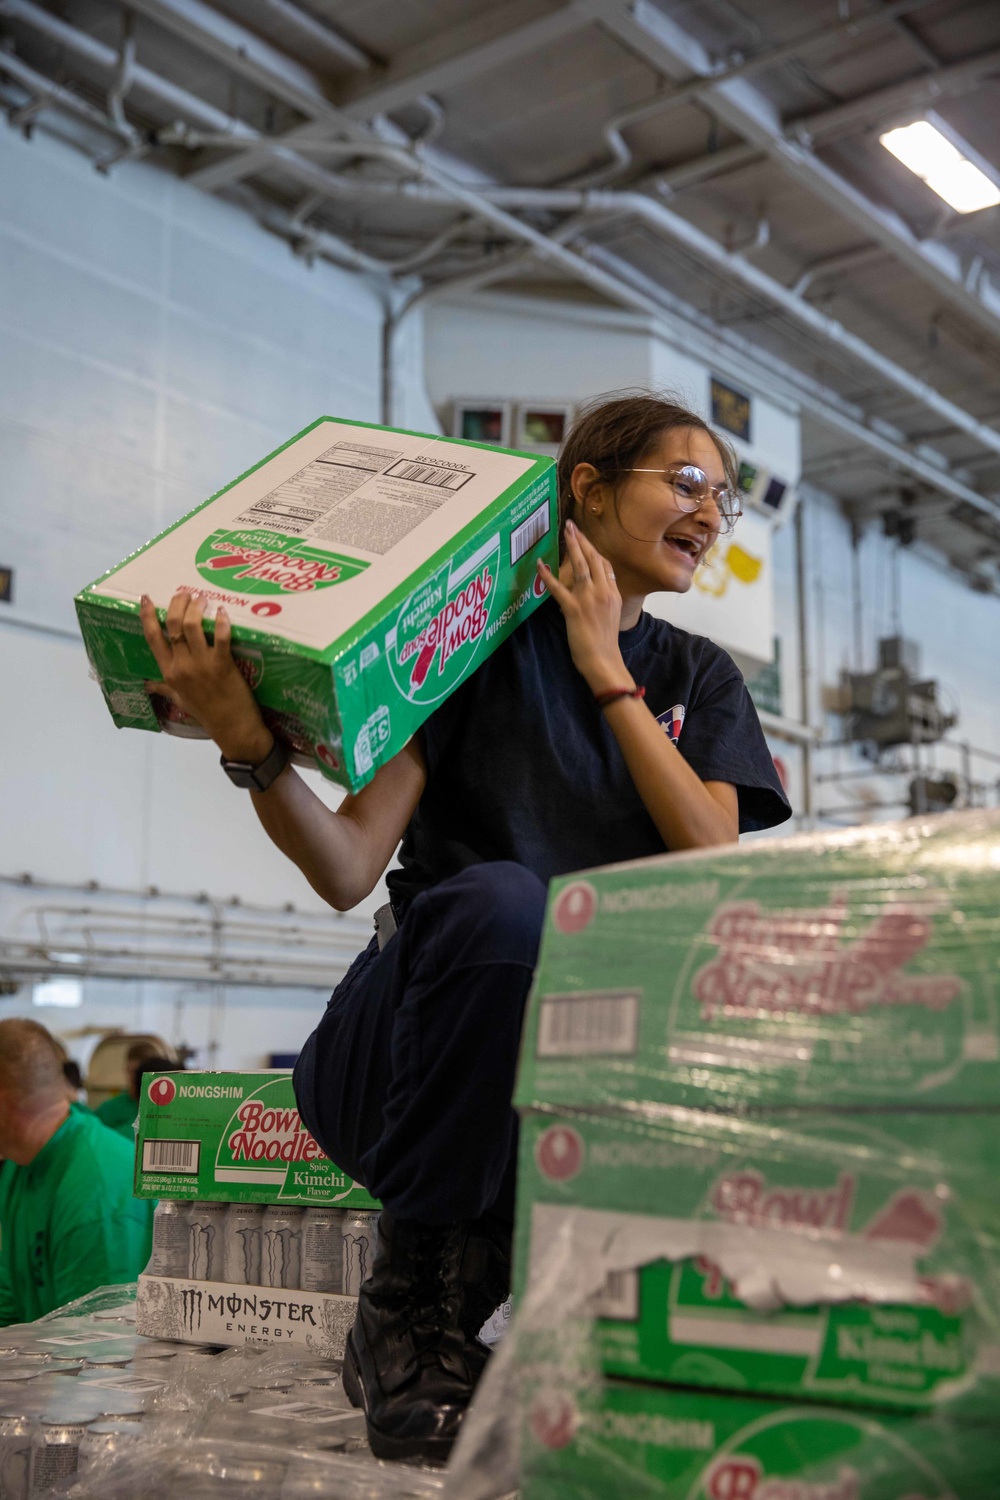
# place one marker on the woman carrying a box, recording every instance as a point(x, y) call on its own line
point(594, 734)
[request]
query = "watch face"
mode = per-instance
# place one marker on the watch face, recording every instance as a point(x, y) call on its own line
point(241, 775)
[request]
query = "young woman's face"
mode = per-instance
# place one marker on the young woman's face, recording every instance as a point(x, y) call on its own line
point(651, 542)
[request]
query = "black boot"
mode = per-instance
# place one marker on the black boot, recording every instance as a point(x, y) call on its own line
point(408, 1361)
point(484, 1272)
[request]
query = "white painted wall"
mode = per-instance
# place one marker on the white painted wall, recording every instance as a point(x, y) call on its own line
point(154, 343)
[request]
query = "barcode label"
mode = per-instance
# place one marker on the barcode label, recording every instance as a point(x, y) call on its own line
point(171, 1156)
point(618, 1298)
point(591, 1025)
point(524, 537)
point(304, 1411)
point(443, 479)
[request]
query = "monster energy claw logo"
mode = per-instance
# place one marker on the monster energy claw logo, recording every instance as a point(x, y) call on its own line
point(191, 1299)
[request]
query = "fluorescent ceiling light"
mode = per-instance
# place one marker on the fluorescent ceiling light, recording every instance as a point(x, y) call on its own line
point(940, 163)
point(62, 992)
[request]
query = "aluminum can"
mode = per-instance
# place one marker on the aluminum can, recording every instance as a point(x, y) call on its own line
point(171, 1233)
point(55, 1451)
point(244, 1227)
point(103, 1441)
point(359, 1245)
point(206, 1241)
point(281, 1247)
point(15, 1455)
point(323, 1250)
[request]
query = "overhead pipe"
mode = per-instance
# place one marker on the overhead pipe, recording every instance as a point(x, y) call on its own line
point(46, 93)
point(686, 92)
point(491, 210)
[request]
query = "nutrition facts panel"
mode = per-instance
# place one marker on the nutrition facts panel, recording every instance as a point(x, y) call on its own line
point(297, 504)
point(357, 496)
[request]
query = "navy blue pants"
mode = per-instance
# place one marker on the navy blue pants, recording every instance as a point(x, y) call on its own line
point(407, 1081)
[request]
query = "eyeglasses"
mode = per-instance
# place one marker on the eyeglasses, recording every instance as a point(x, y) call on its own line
point(691, 490)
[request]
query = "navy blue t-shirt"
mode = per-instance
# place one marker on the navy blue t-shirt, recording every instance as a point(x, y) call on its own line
point(522, 764)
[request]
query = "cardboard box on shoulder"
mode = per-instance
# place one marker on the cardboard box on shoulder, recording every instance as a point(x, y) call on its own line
point(234, 1138)
point(367, 571)
point(630, 1440)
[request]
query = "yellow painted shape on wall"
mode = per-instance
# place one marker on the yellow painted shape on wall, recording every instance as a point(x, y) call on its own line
point(718, 568)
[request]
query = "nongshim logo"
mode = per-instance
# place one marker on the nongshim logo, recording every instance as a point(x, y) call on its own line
point(162, 1090)
point(575, 907)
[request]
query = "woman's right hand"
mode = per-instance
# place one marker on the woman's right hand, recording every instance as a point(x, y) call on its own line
point(203, 679)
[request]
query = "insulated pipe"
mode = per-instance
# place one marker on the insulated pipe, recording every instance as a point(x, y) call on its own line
point(53, 95)
point(770, 57)
point(657, 215)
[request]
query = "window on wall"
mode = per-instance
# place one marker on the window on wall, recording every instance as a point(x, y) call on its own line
point(482, 422)
point(543, 426)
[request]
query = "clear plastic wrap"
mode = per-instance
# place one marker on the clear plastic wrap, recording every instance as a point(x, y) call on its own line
point(854, 970)
point(758, 1240)
point(161, 1421)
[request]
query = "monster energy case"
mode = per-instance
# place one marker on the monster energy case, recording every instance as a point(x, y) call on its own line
point(857, 969)
point(630, 1441)
point(366, 570)
point(823, 1256)
point(234, 1138)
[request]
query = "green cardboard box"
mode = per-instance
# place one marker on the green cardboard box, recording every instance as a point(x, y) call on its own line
point(858, 969)
point(234, 1138)
point(366, 570)
point(635, 1442)
point(820, 1256)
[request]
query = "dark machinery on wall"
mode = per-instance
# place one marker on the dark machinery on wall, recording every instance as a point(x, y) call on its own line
point(893, 705)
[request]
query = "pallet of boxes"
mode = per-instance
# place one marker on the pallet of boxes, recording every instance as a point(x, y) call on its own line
point(257, 1236)
point(759, 1225)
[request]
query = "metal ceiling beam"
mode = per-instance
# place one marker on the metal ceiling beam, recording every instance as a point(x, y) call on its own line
point(501, 35)
point(618, 287)
point(314, 37)
point(658, 39)
point(459, 54)
point(243, 53)
point(883, 105)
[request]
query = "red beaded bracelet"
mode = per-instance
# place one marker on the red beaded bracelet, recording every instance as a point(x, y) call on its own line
point(614, 694)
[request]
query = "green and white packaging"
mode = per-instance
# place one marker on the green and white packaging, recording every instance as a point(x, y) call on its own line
point(819, 1256)
point(854, 970)
point(234, 1138)
point(366, 570)
point(636, 1442)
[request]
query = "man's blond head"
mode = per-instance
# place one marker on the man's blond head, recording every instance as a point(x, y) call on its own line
point(31, 1064)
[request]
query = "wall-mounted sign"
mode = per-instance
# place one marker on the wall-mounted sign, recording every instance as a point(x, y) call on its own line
point(6, 585)
point(765, 491)
point(730, 409)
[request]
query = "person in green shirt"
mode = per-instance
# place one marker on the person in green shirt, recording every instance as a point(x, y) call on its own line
point(120, 1110)
point(68, 1220)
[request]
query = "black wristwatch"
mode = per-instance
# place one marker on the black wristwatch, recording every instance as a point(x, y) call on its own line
point(258, 778)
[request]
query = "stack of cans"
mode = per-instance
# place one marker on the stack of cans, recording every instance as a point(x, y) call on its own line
point(280, 1245)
